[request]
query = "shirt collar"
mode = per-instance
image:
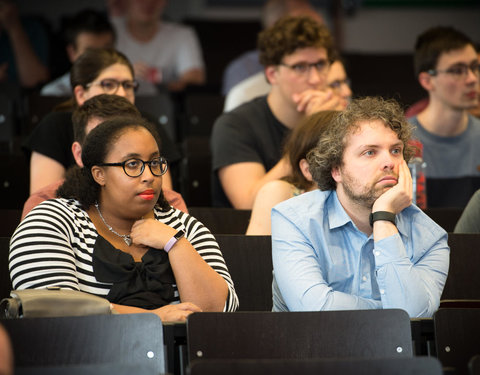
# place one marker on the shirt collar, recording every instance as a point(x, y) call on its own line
point(337, 216)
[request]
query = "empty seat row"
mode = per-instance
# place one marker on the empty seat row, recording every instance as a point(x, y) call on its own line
point(255, 341)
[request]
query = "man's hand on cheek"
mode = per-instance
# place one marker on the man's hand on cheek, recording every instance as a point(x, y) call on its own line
point(399, 196)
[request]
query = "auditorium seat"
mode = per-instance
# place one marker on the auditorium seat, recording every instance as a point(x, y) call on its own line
point(10, 218)
point(161, 110)
point(457, 332)
point(195, 171)
point(249, 261)
point(474, 365)
point(462, 287)
point(5, 283)
point(383, 366)
point(101, 369)
point(446, 217)
point(14, 180)
point(222, 220)
point(128, 339)
point(298, 335)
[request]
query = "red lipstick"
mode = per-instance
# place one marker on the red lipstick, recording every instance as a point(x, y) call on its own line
point(147, 194)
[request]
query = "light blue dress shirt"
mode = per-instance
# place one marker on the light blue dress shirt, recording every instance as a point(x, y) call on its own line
point(322, 261)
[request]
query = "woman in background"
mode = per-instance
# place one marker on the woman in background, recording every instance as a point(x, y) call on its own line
point(95, 72)
point(301, 140)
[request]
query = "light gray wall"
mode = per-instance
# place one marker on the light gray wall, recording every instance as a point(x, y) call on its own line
point(370, 30)
point(396, 29)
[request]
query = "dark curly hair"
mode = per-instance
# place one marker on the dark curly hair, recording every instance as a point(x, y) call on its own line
point(435, 41)
point(289, 34)
point(328, 154)
point(79, 183)
point(301, 140)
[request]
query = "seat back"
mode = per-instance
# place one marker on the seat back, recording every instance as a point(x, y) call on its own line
point(37, 106)
point(195, 171)
point(201, 111)
point(249, 261)
point(5, 282)
point(446, 217)
point(463, 281)
point(101, 369)
point(457, 333)
point(14, 180)
point(377, 366)
point(8, 126)
point(10, 218)
point(284, 335)
point(222, 220)
point(88, 340)
point(474, 365)
point(451, 191)
point(161, 108)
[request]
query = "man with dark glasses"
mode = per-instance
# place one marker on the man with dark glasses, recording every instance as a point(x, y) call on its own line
point(296, 53)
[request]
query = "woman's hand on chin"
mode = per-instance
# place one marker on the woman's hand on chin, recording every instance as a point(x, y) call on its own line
point(151, 233)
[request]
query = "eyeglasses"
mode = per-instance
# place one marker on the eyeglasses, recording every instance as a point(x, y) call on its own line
point(110, 86)
point(336, 85)
point(304, 68)
point(135, 167)
point(459, 71)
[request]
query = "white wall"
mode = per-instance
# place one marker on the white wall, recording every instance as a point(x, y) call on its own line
point(396, 29)
point(385, 29)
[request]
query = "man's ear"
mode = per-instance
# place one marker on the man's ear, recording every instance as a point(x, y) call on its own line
point(425, 81)
point(98, 174)
point(304, 167)
point(336, 175)
point(77, 153)
point(271, 74)
point(79, 94)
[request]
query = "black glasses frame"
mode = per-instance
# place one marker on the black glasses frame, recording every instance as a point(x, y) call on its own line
point(305, 68)
point(458, 70)
point(127, 85)
point(161, 160)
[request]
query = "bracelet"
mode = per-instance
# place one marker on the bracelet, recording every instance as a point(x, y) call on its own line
point(382, 215)
point(172, 241)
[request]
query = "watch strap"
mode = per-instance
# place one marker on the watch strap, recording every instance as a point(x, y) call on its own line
point(382, 215)
point(172, 241)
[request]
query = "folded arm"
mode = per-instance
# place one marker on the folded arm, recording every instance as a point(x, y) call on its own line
point(44, 171)
point(414, 287)
point(241, 181)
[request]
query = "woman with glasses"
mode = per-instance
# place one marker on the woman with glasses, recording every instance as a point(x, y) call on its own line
point(107, 235)
point(95, 72)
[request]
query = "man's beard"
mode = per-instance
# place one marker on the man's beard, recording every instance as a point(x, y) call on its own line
point(366, 197)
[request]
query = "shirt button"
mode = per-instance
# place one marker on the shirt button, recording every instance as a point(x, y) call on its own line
point(364, 278)
point(382, 291)
point(377, 253)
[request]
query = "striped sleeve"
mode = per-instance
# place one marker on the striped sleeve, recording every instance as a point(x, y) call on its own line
point(206, 245)
point(40, 251)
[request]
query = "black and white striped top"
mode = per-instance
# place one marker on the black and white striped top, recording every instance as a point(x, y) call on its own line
point(53, 246)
